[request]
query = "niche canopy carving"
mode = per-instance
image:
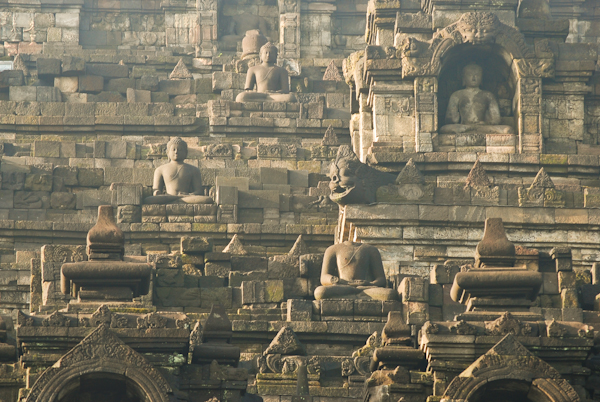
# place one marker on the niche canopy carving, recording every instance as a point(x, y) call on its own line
point(477, 29)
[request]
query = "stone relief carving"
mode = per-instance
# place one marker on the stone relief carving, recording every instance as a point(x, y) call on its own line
point(102, 345)
point(475, 28)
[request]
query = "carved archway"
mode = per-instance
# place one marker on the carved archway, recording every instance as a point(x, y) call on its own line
point(101, 352)
point(479, 29)
point(509, 361)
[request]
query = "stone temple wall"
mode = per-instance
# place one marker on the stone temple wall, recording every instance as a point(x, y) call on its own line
point(230, 307)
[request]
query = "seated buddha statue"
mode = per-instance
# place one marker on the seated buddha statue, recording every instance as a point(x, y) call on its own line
point(473, 110)
point(271, 81)
point(353, 271)
point(177, 182)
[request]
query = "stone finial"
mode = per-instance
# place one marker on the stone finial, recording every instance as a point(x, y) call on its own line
point(217, 326)
point(494, 250)
point(330, 138)
point(121, 63)
point(235, 246)
point(105, 239)
point(180, 71)
point(410, 174)
point(332, 73)
point(396, 330)
point(299, 248)
point(285, 343)
point(19, 64)
point(477, 176)
point(542, 180)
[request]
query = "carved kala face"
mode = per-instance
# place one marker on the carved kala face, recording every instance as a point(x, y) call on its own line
point(478, 28)
point(343, 182)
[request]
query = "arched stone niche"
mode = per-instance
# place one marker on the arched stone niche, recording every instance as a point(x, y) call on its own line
point(498, 78)
point(101, 356)
point(509, 369)
point(478, 34)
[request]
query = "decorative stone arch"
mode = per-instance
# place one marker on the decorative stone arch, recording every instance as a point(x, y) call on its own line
point(424, 61)
point(509, 360)
point(101, 352)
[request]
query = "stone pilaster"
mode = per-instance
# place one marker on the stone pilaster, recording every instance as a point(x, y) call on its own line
point(529, 112)
point(289, 29)
point(207, 27)
point(426, 112)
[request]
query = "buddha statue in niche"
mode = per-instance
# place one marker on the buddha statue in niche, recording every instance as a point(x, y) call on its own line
point(271, 81)
point(353, 271)
point(472, 109)
point(177, 182)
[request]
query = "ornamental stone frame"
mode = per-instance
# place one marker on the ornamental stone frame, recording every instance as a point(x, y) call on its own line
point(509, 360)
point(100, 352)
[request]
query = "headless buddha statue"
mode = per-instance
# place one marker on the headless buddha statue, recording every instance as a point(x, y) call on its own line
point(177, 182)
point(353, 271)
point(473, 110)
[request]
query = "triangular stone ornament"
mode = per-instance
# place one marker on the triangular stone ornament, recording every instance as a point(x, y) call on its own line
point(542, 180)
point(19, 64)
point(477, 176)
point(330, 137)
point(103, 346)
point(285, 343)
point(410, 174)
point(299, 248)
point(180, 71)
point(332, 73)
point(235, 246)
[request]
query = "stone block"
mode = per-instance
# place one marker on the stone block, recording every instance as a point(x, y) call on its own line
point(61, 200)
point(169, 277)
point(368, 308)
point(72, 65)
point(273, 175)
point(176, 87)
point(138, 95)
point(444, 274)
point(48, 94)
point(436, 295)
point(337, 308)
point(299, 310)
point(270, 291)
point(245, 263)
point(259, 199)
point(38, 182)
point(180, 209)
point(46, 149)
point(417, 313)
point(117, 175)
point(129, 214)
point(570, 298)
point(107, 70)
point(236, 278)
point(212, 296)
point(120, 85)
point(414, 289)
point(210, 281)
point(48, 68)
point(241, 183)
point(126, 194)
point(91, 83)
point(227, 195)
point(90, 177)
point(218, 268)
point(68, 175)
point(67, 84)
point(550, 283)
point(22, 94)
point(567, 280)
